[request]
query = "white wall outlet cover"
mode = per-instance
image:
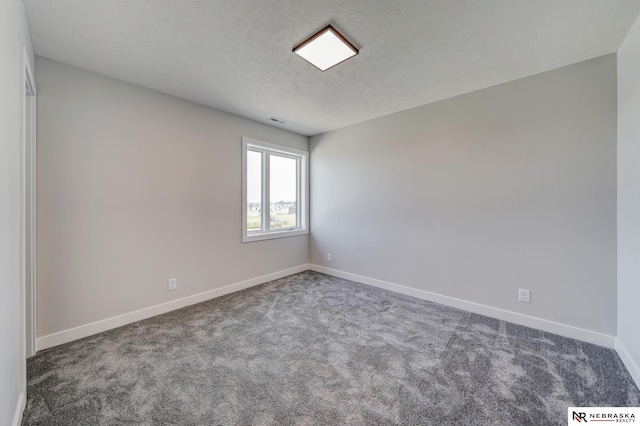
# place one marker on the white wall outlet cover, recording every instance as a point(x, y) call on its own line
point(524, 295)
point(329, 257)
point(172, 283)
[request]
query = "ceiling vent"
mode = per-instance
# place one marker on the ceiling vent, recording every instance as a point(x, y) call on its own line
point(277, 120)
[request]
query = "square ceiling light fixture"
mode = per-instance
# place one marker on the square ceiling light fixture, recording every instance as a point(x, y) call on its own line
point(326, 48)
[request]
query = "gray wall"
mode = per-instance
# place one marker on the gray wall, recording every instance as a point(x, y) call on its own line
point(476, 196)
point(629, 198)
point(14, 33)
point(136, 187)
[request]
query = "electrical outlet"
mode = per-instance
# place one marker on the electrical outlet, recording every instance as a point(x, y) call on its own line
point(524, 295)
point(172, 284)
point(329, 257)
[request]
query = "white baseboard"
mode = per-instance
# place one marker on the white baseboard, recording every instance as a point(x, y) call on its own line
point(82, 331)
point(17, 416)
point(627, 359)
point(533, 322)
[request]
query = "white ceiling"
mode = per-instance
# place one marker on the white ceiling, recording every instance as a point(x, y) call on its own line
point(235, 55)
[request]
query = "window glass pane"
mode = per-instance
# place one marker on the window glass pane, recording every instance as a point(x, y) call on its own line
point(254, 191)
point(283, 192)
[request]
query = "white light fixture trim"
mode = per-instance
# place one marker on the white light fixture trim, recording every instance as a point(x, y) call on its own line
point(326, 48)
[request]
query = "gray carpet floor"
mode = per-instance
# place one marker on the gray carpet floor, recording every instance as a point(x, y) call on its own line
point(311, 349)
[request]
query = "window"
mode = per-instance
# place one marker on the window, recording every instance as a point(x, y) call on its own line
point(274, 191)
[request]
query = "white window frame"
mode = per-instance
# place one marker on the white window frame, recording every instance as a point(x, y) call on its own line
point(302, 204)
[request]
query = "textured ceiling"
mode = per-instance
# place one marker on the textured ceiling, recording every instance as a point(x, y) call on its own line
point(236, 55)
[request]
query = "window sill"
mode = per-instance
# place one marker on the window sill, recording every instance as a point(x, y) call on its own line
point(275, 234)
